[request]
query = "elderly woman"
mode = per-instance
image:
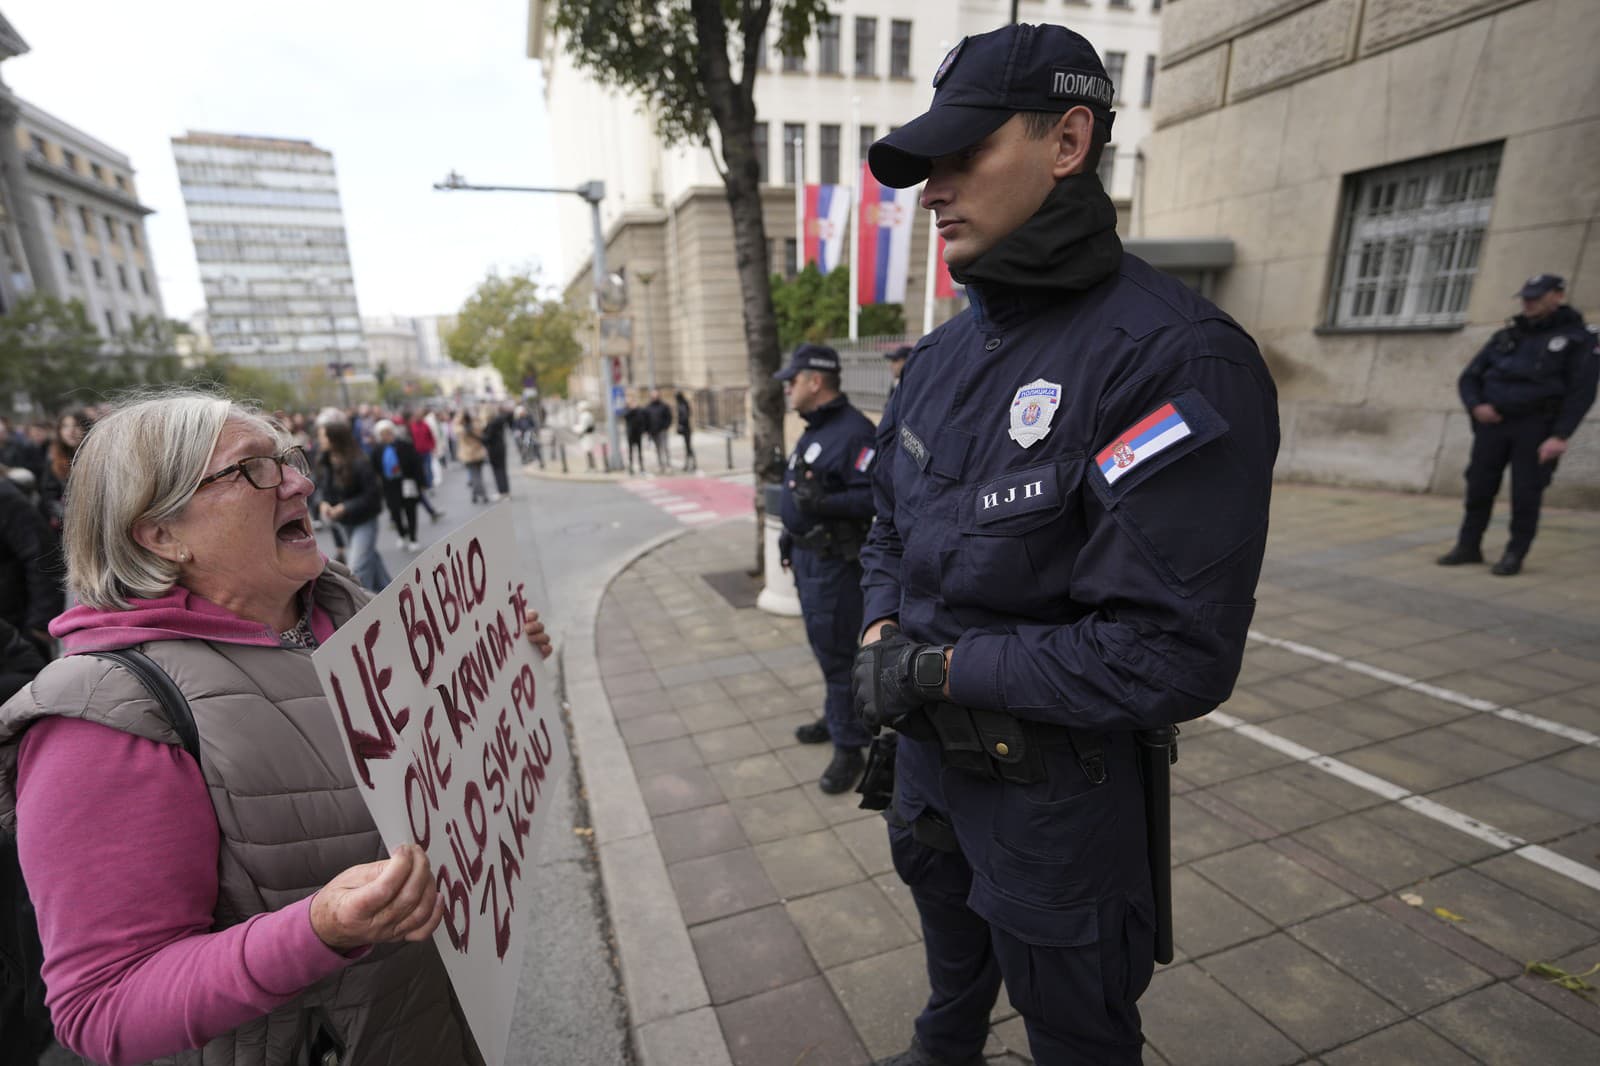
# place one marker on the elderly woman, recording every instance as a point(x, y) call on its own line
point(244, 905)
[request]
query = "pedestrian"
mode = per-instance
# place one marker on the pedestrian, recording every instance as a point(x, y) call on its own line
point(397, 461)
point(1072, 488)
point(635, 425)
point(351, 497)
point(495, 425)
point(686, 431)
point(583, 426)
point(1526, 392)
point(472, 454)
point(658, 421)
point(826, 509)
point(423, 440)
point(526, 428)
point(223, 903)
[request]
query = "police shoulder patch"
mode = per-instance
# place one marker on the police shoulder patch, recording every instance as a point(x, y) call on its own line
point(1558, 344)
point(864, 458)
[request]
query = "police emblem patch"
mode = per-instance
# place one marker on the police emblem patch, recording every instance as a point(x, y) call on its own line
point(1558, 344)
point(947, 62)
point(1032, 409)
point(813, 451)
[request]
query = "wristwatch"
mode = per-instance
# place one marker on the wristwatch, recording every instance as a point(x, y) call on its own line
point(928, 670)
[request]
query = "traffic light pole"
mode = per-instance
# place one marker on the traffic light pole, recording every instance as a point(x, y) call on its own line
point(592, 192)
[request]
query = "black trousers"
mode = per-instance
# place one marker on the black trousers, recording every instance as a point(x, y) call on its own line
point(1515, 443)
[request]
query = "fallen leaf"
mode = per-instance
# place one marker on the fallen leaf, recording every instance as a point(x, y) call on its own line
point(1449, 916)
point(1411, 898)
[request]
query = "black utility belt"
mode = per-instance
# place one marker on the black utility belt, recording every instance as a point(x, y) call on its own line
point(833, 540)
point(997, 746)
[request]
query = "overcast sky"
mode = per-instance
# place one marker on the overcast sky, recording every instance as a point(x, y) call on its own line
point(400, 91)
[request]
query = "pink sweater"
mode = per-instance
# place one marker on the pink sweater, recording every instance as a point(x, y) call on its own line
point(119, 845)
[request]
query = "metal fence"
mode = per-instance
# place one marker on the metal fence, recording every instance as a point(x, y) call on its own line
point(863, 369)
point(719, 408)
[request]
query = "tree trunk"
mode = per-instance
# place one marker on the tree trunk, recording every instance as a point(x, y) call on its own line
point(732, 106)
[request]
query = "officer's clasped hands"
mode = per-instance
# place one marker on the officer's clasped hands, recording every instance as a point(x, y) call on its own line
point(886, 684)
point(808, 492)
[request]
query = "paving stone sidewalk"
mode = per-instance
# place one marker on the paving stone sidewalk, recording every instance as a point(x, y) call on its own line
point(1328, 908)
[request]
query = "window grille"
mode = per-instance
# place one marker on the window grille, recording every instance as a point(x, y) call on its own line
point(1411, 240)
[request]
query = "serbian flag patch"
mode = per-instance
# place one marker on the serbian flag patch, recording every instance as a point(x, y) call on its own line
point(864, 459)
point(1146, 438)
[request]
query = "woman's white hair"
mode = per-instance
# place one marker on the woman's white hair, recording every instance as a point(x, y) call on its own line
point(141, 463)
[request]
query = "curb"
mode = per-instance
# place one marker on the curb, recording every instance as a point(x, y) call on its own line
point(669, 1008)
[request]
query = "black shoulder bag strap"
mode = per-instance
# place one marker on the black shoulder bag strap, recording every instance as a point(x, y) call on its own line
point(165, 690)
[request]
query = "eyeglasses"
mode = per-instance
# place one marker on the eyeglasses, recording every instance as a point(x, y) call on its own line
point(264, 471)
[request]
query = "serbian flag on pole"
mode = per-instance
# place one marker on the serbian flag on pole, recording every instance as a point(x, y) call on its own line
point(884, 252)
point(827, 211)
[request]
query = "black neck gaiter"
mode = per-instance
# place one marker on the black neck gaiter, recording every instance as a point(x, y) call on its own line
point(1069, 243)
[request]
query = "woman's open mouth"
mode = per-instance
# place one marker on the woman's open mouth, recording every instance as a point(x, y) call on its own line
point(296, 531)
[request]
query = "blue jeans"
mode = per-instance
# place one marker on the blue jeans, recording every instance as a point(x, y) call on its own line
point(365, 562)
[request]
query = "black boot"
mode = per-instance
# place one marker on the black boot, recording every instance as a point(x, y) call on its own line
point(1461, 554)
point(843, 772)
point(917, 1055)
point(812, 732)
point(1510, 564)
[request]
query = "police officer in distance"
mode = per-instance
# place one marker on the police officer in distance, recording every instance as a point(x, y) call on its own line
point(827, 508)
point(1526, 391)
point(897, 364)
point(1072, 491)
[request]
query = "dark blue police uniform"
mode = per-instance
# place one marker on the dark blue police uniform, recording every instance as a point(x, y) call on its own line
point(1072, 493)
point(1540, 376)
point(823, 543)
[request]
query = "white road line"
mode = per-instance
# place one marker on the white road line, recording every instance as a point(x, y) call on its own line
point(698, 517)
point(1422, 805)
point(677, 506)
point(1460, 699)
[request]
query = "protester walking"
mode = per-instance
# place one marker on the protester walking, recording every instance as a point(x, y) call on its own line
point(401, 468)
point(352, 499)
point(494, 445)
point(686, 431)
point(472, 454)
point(659, 423)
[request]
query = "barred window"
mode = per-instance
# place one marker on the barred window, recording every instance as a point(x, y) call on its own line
point(866, 47)
point(1411, 239)
point(829, 153)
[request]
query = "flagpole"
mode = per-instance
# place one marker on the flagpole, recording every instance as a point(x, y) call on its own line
point(932, 275)
point(855, 219)
point(799, 202)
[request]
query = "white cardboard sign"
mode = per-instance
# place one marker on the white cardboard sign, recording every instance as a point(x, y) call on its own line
point(455, 736)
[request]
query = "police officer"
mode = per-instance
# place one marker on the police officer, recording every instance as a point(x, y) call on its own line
point(1072, 489)
point(1526, 391)
point(827, 508)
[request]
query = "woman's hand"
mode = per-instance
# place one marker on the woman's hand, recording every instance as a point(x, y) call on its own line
point(378, 902)
point(534, 629)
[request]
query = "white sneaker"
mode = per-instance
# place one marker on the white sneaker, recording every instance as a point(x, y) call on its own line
point(400, 544)
point(494, 497)
point(411, 546)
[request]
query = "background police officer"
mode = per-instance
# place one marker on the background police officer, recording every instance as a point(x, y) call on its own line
point(1527, 390)
point(827, 508)
point(1072, 492)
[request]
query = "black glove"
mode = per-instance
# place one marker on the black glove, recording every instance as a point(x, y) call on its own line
point(894, 676)
point(786, 549)
point(808, 491)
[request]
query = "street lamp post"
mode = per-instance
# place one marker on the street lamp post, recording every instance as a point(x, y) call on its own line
point(592, 192)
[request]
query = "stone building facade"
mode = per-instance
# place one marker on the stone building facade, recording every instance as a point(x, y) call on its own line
point(1389, 172)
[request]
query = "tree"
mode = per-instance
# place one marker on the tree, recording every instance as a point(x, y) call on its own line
point(506, 324)
point(693, 64)
point(814, 307)
point(271, 391)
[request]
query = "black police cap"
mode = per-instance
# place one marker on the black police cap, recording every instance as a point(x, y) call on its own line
point(895, 354)
point(982, 82)
point(1540, 284)
point(809, 357)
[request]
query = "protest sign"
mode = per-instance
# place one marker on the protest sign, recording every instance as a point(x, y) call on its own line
point(456, 740)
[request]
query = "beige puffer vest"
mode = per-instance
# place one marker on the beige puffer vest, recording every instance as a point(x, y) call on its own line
point(291, 818)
